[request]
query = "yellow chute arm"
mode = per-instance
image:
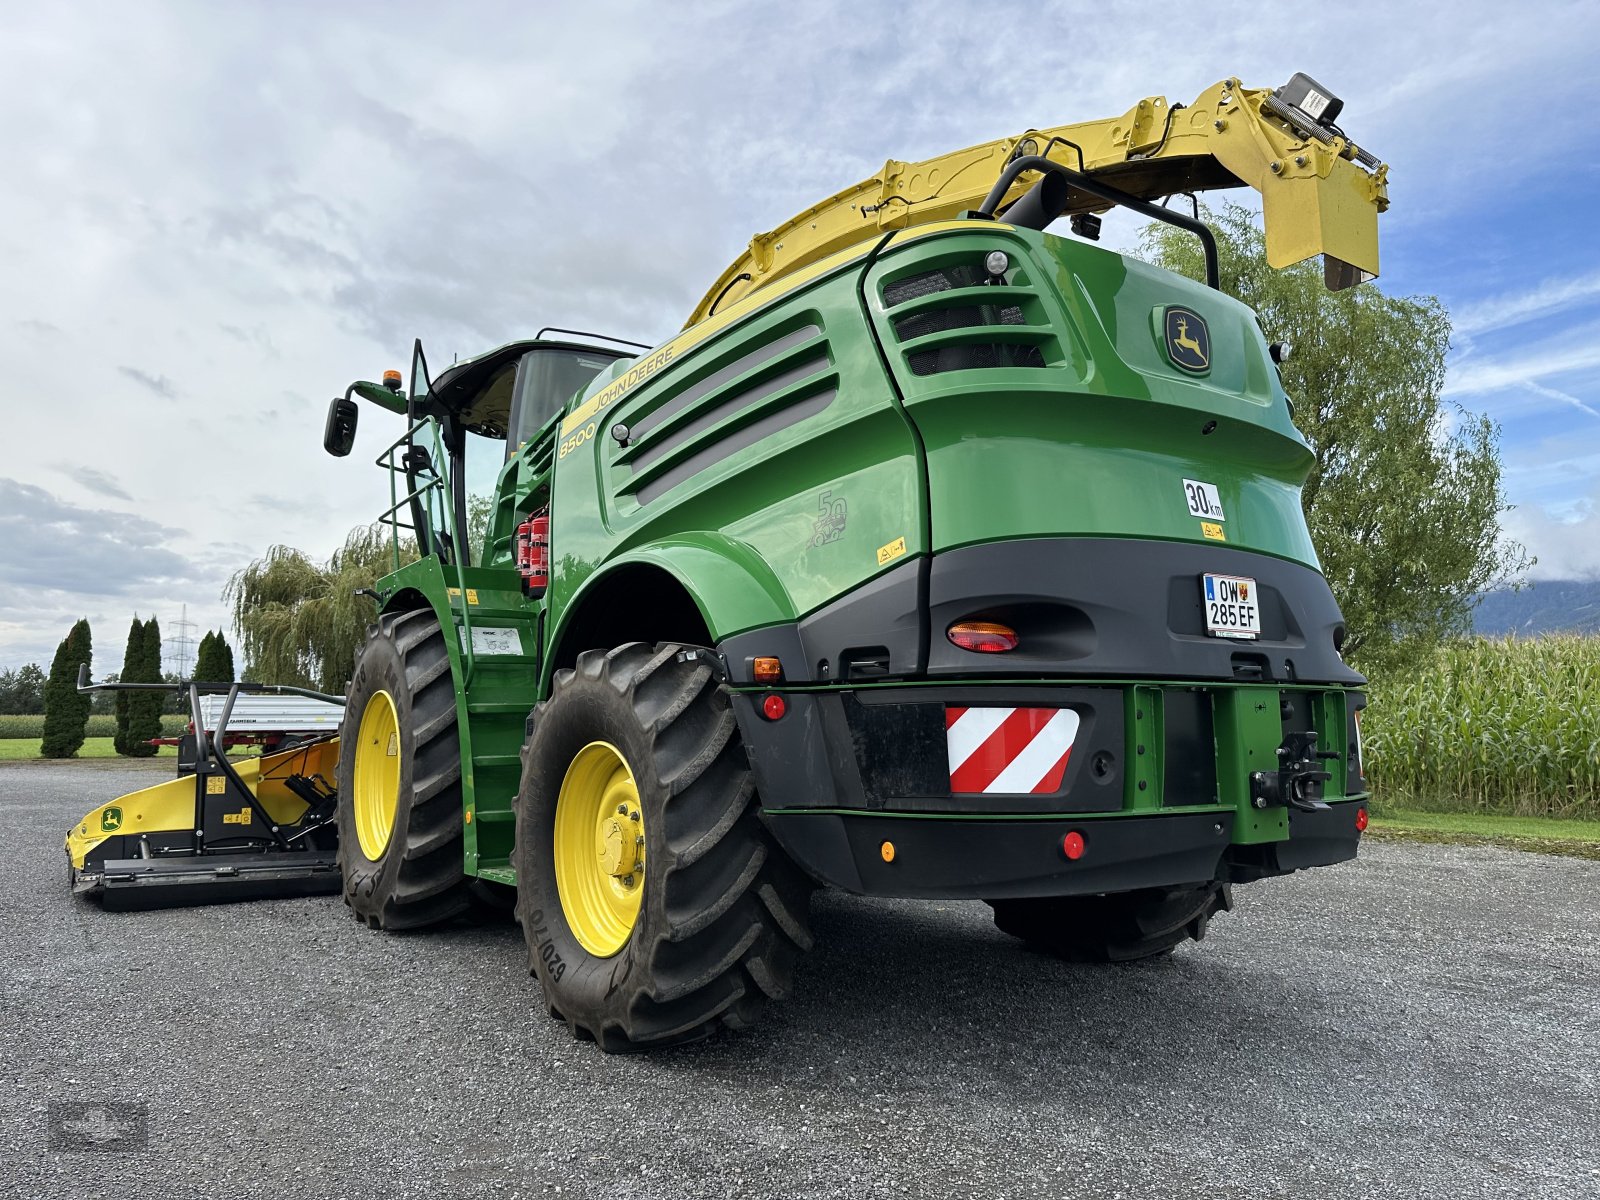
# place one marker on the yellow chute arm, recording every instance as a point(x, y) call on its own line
point(1321, 194)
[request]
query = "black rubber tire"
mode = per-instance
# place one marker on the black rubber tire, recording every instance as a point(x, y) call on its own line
point(1120, 927)
point(724, 914)
point(420, 879)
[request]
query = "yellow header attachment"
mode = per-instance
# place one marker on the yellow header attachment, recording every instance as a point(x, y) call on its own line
point(1321, 194)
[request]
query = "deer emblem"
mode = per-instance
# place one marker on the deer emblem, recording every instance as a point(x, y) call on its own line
point(1189, 351)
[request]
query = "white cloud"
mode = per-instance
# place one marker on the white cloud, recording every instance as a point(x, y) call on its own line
point(216, 216)
point(1504, 311)
point(1574, 350)
point(63, 561)
point(1566, 545)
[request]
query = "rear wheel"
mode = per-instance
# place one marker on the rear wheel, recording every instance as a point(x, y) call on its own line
point(400, 809)
point(654, 905)
point(1119, 927)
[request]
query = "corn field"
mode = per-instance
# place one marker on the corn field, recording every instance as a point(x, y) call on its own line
point(1490, 725)
point(100, 725)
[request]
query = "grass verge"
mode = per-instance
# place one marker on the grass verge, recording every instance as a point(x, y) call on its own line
point(27, 749)
point(1542, 835)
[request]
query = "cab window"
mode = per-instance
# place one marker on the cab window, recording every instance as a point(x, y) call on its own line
point(548, 378)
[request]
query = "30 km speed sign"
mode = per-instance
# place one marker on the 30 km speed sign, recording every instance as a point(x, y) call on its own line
point(1204, 500)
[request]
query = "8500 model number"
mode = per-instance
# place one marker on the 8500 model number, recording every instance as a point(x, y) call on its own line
point(1232, 604)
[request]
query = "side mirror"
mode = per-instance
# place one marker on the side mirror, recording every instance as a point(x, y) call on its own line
point(339, 434)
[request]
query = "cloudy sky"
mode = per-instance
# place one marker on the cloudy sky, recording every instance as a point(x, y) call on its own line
point(214, 216)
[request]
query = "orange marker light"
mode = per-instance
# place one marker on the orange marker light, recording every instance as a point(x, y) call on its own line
point(887, 851)
point(1361, 820)
point(767, 670)
point(1072, 845)
point(984, 637)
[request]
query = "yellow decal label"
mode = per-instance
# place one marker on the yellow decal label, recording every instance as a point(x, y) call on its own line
point(242, 817)
point(472, 595)
point(613, 391)
point(110, 819)
point(887, 554)
point(572, 443)
point(1213, 531)
point(216, 785)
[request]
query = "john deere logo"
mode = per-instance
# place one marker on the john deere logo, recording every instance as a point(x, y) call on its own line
point(1188, 340)
point(110, 819)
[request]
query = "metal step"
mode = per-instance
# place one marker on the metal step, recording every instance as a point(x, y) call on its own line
point(518, 708)
point(497, 760)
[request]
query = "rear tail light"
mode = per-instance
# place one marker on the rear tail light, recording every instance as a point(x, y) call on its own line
point(1361, 820)
point(983, 637)
point(533, 553)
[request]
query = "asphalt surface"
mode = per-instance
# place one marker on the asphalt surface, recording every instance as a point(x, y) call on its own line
point(1424, 1022)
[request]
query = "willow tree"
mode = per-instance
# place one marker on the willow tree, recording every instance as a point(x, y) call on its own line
point(1405, 497)
point(300, 622)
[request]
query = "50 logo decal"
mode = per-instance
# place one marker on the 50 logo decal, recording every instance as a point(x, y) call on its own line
point(572, 443)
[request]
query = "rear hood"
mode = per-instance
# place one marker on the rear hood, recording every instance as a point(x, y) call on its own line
point(1088, 395)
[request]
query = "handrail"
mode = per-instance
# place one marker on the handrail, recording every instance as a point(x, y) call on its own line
point(244, 687)
point(390, 517)
point(1042, 207)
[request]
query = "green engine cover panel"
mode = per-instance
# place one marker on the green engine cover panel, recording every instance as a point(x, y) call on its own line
point(1051, 405)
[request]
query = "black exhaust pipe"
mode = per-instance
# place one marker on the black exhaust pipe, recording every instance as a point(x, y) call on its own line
point(1040, 204)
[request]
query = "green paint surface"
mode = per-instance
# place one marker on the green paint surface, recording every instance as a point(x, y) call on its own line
point(769, 484)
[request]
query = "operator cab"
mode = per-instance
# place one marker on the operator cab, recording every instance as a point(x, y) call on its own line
point(488, 409)
point(511, 393)
point(491, 406)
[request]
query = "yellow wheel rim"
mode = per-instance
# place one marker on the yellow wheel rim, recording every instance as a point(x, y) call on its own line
point(600, 849)
point(377, 775)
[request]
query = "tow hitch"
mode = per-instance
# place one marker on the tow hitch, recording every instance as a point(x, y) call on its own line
point(1298, 780)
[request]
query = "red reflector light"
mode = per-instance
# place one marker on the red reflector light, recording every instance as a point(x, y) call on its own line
point(1361, 820)
point(773, 707)
point(984, 637)
point(1072, 845)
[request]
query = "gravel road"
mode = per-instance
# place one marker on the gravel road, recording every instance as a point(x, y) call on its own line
point(1424, 1022)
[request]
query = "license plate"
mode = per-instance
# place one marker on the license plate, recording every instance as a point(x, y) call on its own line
point(1232, 604)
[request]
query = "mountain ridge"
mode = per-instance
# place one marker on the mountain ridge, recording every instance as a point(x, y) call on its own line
point(1546, 606)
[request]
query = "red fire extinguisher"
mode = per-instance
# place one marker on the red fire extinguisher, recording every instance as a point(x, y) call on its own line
point(533, 553)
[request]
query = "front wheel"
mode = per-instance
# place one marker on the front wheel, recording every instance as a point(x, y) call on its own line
point(655, 907)
point(400, 810)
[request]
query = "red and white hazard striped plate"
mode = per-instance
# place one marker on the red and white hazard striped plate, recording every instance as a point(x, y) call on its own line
point(1008, 749)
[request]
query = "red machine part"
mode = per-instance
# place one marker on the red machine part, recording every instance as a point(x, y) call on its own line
point(533, 552)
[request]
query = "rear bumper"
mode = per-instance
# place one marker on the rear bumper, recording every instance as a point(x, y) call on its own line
point(990, 859)
point(1084, 607)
